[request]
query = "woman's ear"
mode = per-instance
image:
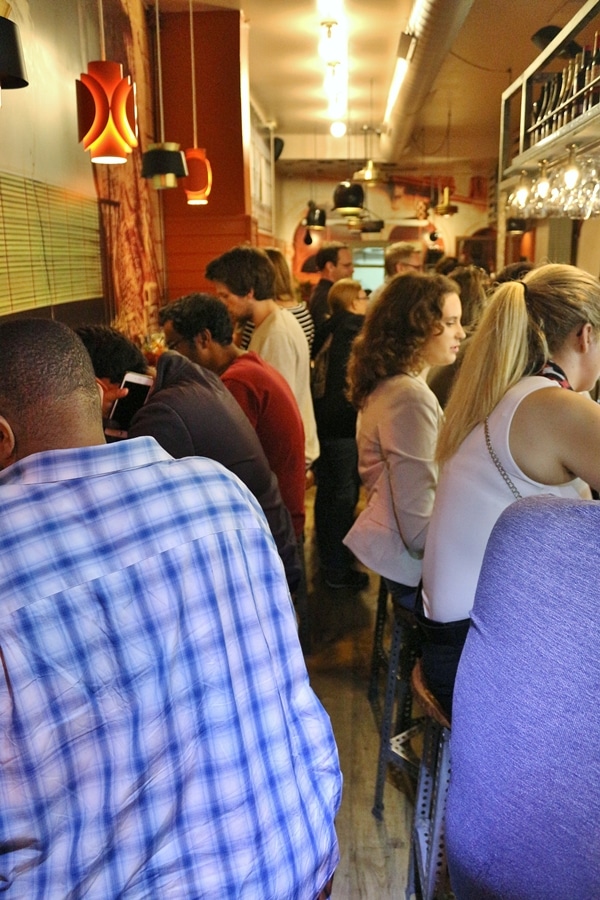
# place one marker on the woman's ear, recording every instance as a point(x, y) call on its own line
point(584, 336)
point(7, 444)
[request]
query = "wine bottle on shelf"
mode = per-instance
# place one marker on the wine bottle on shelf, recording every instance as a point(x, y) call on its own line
point(592, 93)
point(581, 67)
point(562, 98)
point(556, 84)
point(542, 109)
point(533, 130)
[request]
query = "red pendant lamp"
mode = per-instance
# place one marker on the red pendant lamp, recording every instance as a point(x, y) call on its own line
point(198, 184)
point(106, 109)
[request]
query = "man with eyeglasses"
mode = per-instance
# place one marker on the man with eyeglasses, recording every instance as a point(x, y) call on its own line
point(399, 257)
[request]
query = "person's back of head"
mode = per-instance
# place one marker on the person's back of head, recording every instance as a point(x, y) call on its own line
point(48, 391)
point(244, 269)
point(445, 265)
point(328, 253)
point(523, 324)
point(514, 271)
point(284, 289)
point(395, 331)
point(399, 252)
point(342, 294)
point(198, 312)
point(111, 352)
point(472, 282)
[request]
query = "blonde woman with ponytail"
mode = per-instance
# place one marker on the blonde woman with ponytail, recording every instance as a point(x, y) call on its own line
point(518, 423)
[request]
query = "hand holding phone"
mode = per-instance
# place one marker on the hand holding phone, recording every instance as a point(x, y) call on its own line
point(124, 408)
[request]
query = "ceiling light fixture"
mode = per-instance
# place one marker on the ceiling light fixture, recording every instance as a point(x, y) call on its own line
point(199, 181)
point(163, 163)
point(406, 50)
point(106, 111)
point(348, 199)
point(337, 129)
point(12, 67)
point(445, 208)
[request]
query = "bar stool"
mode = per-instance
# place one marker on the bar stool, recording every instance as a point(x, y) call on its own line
point(379, 657)
point(428, 871)
point(404, 650)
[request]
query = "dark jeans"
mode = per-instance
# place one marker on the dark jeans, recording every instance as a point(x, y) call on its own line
point(338, 485)
point(442, 644)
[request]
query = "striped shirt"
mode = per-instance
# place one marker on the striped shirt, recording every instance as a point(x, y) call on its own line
point(302, 314)
point(158, 734)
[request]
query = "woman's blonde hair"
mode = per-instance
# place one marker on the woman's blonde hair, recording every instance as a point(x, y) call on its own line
point(523, 324)
point(342, 294)
point(408, 311)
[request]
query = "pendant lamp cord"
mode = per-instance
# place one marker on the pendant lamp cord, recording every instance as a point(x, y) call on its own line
point(159, 69)
point(194, 115)
point(101, 18)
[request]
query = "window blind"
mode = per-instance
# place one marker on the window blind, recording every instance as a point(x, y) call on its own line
point(49, 245)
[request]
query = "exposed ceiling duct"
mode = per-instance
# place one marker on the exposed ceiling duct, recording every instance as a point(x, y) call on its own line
point(438, 24)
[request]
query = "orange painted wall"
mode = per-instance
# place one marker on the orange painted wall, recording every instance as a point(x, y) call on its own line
point(196, 234)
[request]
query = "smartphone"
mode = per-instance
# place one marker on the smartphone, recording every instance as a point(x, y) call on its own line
point(125, 408)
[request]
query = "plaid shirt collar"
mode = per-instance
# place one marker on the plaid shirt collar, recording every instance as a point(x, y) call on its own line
point(83, 462)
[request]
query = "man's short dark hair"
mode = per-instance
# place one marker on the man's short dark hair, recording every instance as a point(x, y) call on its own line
point(194, 313)
point(243, 269)
point(112, 353)
point(329, 252)
point(42, 362)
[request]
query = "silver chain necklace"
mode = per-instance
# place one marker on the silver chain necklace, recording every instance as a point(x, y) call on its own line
point(497, 462)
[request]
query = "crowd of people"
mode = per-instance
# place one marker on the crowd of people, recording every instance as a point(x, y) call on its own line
point(160, 736)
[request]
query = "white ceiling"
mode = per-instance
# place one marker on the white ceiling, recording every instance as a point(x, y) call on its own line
point(457, 124)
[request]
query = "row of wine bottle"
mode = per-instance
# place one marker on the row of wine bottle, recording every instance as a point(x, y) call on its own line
point(567, 94)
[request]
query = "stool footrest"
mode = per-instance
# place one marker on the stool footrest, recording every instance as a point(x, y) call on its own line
point(401, 752)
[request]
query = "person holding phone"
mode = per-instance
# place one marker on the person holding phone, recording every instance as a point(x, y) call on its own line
point(159, 734)
point(191, 413)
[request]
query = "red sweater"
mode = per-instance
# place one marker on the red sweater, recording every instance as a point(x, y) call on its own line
point(266, 398)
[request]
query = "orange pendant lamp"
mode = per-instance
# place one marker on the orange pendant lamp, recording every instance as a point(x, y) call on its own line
point(198, 184)
point(106, 109)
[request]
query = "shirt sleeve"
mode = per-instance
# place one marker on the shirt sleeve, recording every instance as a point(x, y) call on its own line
point(408, 436)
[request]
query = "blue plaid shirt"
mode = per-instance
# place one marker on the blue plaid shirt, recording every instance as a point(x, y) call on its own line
point(158, 734)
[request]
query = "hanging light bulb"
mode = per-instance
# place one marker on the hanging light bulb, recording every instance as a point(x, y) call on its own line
point(163, 163)
point(522, 192)
point(106, 111)
point(198, 184)
point(572, 172)
point(542, 184)
point(337, 129)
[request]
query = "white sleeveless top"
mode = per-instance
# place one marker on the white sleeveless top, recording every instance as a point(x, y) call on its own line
point(470, 496)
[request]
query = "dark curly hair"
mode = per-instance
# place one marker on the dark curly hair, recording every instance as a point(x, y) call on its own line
point(408, 312)
point(199, 312)
point(111, 352)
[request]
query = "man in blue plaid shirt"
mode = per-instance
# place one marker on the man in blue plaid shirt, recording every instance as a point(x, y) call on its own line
point(158, 734)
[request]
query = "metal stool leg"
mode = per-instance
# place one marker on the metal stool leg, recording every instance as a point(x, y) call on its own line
point(386, 722)
point(428, 870)
point(379, 658)
point(398, 696)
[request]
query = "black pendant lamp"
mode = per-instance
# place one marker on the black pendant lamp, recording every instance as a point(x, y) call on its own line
point(163, 163)
point(348, 198)
point(12, 68)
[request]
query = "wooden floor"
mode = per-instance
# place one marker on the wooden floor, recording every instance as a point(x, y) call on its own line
point(374, 855)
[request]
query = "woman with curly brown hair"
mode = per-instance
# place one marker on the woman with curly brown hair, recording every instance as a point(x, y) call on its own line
point(415, 324)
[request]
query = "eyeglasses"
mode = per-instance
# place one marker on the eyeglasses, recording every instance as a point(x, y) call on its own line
point(175, 344)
